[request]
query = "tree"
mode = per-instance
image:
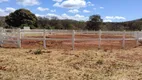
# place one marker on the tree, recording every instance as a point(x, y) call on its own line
point(21, 17)
point(94, 22)
point(137, 26)
point(43, 23)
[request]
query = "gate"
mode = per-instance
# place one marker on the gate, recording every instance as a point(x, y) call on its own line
point(9, 37)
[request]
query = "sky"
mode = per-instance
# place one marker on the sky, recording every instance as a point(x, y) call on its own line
point(109, 10)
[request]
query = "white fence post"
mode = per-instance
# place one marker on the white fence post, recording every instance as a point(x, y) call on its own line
point(124, 37)
point(51, 31)
point(19, 38)
point(1, 36)
point(44, 37)
point(73, 39)
point(137, 43)
point(100, 39)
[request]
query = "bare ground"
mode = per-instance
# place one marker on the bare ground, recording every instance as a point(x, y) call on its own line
point(57, 64)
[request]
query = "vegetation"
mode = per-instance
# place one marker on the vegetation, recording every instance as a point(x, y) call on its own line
point(55, 23)
point(20, 18)
point(17, 64)
point(94, 22)
point(38, 51)
point(23, 17)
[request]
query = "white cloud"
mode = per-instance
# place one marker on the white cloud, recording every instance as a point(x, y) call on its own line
point(71, 4)
point(28, 2)
point(53, 10)
point(120, 17)
point(57, 5)
point(115, 17)
point(65, 16)
point(42, 9)
point(90, 4)
point(10, 9)
point(4, 12)
point(73, 11)
point(107, 20)
point(57, 0)
point(39, 15)
point(101, 7)
point(86, 11)
point(3, 1)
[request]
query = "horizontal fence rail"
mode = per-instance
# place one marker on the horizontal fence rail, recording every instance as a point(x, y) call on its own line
point(16, 35)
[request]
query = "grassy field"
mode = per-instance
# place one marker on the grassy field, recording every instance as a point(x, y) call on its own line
point(22, 64)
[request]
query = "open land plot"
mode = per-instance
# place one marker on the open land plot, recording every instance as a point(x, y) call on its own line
point(58, 64)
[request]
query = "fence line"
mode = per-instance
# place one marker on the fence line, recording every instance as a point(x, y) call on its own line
point(44, 32)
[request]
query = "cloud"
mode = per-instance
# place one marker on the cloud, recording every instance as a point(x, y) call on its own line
point(9, 9)
point(28, 2)
point(3, 1)
point(42, 9)
point(115, 17)
point(65, 16)
point(101, 7)
point(86, 11)
point(39, 15)
point(53, 10)
point(57, 0)
point(73, 11)
point(90, 4)
point(4, 12)
point(57, 5)
point(71, 4)
point(107, 20)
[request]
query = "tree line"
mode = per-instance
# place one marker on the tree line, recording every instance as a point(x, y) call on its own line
point(24, 17)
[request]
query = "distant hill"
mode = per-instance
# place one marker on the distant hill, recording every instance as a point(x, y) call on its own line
point(127, 25)
point(137, 20)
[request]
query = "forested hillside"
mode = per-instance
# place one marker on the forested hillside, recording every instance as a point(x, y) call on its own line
point(55, 23)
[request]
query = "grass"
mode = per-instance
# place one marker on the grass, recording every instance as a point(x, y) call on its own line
point(21, 64)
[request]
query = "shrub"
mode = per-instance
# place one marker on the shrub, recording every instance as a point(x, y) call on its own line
point(38, 51)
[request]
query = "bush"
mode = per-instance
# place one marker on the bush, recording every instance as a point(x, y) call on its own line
point(38, 51)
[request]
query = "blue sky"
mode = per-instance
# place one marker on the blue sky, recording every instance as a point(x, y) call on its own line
point(110, 10)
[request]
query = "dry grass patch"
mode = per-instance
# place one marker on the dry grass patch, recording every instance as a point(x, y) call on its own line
point(20, 64)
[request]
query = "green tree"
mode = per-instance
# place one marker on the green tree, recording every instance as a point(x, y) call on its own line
point(21, 17)
point(137, 25)
point(94, 22)
point(43, 23)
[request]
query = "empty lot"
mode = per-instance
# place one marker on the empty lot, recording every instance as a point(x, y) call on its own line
point(54, 64)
